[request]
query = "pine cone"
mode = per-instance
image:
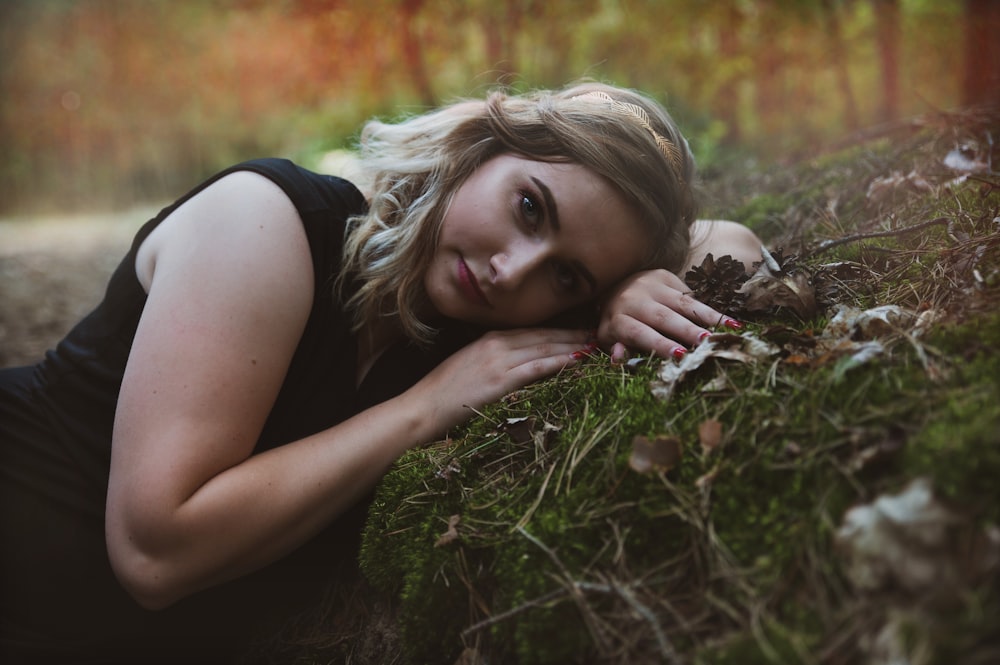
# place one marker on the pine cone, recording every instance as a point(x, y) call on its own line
point(716, 282)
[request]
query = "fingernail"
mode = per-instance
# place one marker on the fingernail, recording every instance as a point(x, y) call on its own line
point(578, 355)
point(618, 352)
point(733, 323)
point(702, 337)
point(678, 352)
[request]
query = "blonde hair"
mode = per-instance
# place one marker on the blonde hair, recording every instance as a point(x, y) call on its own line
point(415, 167)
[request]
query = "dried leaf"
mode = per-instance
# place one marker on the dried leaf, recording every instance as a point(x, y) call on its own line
point(851, 323)
point(769, 288)
point(964, 160)
point(451, 534)
point(904, 540)
point(882, 188)
point(717, 385)
point(743, 348)
point(519, 429)
point(449, 469)
point(858, 354)
point(710, 435)
point(660, 454)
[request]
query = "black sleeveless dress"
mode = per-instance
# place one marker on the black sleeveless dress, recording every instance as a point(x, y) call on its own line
point(59, 600)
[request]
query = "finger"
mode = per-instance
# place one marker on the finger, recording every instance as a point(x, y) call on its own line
point(637, 335)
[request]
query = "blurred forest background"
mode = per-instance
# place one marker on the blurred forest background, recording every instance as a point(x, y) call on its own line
point(108, 103)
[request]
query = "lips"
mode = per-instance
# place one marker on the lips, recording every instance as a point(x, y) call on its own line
point(470, 285)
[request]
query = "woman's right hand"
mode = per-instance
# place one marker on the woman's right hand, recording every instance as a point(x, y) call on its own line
point(497, 363)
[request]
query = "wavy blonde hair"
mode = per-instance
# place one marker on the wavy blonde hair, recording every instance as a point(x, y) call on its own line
point(415, 167)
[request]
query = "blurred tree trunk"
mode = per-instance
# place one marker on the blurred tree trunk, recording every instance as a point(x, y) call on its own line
point(413, 53)
point(768, 97)
point(887, 33)
point(501, 23)
point(981, 83)
point(838, 54)
point(727, 98)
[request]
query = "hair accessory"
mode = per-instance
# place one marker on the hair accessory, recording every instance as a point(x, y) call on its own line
point(639, 115)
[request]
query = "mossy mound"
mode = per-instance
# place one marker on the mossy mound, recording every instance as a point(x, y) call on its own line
point(529, 537)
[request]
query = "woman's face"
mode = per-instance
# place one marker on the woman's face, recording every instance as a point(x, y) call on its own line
point(525, 240)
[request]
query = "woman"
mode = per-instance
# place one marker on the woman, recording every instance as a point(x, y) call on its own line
point(185, 462)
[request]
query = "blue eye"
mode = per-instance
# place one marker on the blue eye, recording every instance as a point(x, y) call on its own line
point(530, 210)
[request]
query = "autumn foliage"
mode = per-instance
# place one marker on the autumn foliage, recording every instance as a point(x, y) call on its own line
point(107, 102)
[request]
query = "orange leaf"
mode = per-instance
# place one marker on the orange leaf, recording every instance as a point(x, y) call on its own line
point(710, 435)
point(660, 454)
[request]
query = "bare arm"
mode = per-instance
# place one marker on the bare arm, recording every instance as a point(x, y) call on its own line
point(719, 238)
point(652, 311)
point(230, 285)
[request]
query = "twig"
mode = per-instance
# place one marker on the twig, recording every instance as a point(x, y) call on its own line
point(622, 591)
point(666, 648)
point(828, 244)
point(514, 611)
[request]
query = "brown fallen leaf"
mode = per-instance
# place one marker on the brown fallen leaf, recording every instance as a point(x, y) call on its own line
point(913, 542)
point(519, 429)
point(766, 290)
point(745, 348)
point(710, 435)
point(655, 455)
point(451, 534)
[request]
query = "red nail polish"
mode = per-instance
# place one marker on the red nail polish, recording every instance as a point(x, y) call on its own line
point(733, 323)
point(705, 335)
point(578, 355)
point(678, 352)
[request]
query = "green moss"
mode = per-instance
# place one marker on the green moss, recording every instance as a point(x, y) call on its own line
point(764, 214)
point(564, 553)
point(960, 445)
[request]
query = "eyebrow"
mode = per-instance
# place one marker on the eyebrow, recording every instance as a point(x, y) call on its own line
point(553, 217)
point(550, 202)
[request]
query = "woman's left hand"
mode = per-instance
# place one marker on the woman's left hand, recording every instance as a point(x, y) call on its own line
point(653, 311)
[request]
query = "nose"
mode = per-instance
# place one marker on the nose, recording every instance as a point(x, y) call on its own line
point(510, 267)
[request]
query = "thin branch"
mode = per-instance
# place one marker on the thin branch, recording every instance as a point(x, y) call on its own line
point(829, 244)
point(514, 611)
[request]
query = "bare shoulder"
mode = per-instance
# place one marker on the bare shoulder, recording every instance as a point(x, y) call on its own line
point(230, 218)
point(719, 238)
point(229, 279)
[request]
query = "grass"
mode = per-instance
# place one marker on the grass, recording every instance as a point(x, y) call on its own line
point(562, 553)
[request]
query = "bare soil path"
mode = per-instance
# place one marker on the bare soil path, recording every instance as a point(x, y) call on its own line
point(53, 271)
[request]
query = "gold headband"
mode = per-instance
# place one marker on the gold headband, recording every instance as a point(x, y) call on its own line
point(638, 114)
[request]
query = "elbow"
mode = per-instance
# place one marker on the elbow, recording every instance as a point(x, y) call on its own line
point(146, 578)
point(723, 238)
point(743, 245)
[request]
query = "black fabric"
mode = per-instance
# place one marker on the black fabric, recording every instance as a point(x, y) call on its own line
point(59, 600)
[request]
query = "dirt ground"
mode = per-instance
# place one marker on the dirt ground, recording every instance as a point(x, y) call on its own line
point(53, 271)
